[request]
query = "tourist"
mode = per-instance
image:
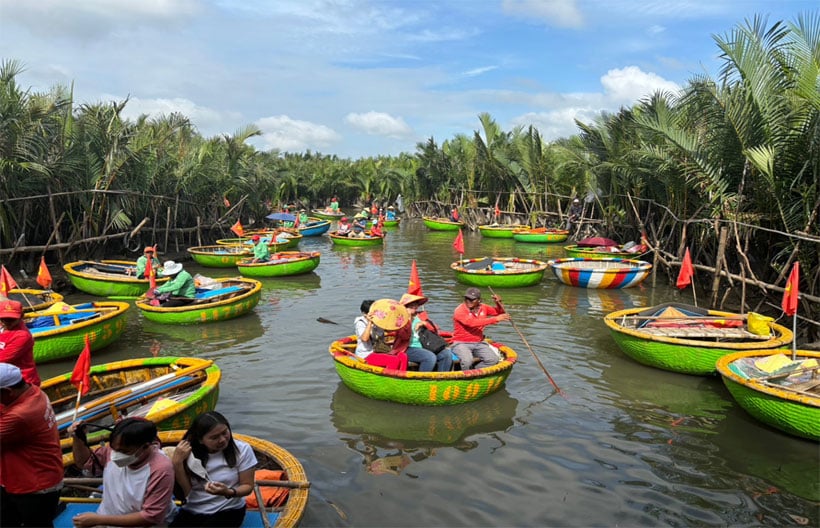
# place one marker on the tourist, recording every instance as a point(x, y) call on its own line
point(180, 290)
point(215, 472)
point(374, 210)
point(359, 226)
point(16, 341)
point(31, 461)
point(574, 214)
point(377, 229)
point(138, 478)
point(142, 262)
point(344, 228)
point(454, 216)
point(427, 360)
point(391, 213)
point(365, 334)
point(261, 252)
point(304, 219)
point(469, 320)
point(334, 204)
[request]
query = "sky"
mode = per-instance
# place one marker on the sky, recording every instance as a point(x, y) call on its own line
point(360, 78)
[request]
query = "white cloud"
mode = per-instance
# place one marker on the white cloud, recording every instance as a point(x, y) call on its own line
point(479, 71)
point(291, 135)
point(380, 124)
point(628, 85)
point(207, 120)
point(560, 13)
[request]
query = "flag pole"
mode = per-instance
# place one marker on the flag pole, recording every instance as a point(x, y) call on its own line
point(694, 293)
point(794, 338)
point(77, 403)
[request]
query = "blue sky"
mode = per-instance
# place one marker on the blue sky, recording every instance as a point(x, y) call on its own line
point(364, 78)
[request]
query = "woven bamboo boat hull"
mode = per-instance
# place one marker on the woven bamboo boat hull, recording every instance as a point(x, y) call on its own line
point(385, 223)
point(541, 237)
point(219, 256)
point(419, 388)
point(593, 253)
point(497, 231)
point(178, 413)
point(600, 273)
point(207, 312)
point(324, 215)
point(33, 300)
point(369, 241)
point(84, 277)
point(294, 263)
point(441, 224)
point(519, 273)
point(292, 242)
point(316, 227)
point(794, 413)
point(67, 341)
point(269, 456)
point(680, 354)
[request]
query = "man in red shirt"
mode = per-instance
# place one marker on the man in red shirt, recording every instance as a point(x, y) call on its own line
point(31, 461)
point(469, 320)
point(16, 342)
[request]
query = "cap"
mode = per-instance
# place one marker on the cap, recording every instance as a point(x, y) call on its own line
point(344, 219)
point(409, 298)
point(9, 375)
point(11, 310)
point(576, 200)
point(149, 248)
point(256, 238)
point(472, 294)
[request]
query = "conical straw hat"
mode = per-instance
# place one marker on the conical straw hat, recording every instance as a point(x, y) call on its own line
point(389, 314)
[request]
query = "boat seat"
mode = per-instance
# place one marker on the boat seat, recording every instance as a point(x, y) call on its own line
point(207, 294)
point(479, 265)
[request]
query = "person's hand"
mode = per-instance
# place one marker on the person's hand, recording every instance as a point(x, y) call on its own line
point(218, 488)
point(496, 298)
point(72, 429)
point(86, 519)
point(503, 317)
point(181, 452)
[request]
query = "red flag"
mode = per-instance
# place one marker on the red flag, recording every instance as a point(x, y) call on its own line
point(497, 211)
point(225, 201)
point(686, 271)
point(81, 375)
point(789, 303)
point(150, 272)
point(43, 275)
point(458, 243)
point(238, 229)
point(7, 282)
point(414, 286)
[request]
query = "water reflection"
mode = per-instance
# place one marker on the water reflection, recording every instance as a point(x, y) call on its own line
point(359, 257)
point(194, 340)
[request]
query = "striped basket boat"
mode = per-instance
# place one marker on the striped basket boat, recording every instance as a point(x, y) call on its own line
point(611, 273)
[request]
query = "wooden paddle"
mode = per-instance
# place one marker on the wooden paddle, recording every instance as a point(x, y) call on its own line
point(524, 339)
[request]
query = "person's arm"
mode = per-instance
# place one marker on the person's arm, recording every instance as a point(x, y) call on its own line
point(181, 452)
point(173, 285)
point(12, 346)
point(79, 449)
point(402, 341)
point(365, 333)
point(88, 519)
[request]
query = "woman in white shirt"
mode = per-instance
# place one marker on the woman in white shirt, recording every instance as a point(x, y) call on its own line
point(215, 472)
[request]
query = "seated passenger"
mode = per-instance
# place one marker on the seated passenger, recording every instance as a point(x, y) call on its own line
point(344, 228)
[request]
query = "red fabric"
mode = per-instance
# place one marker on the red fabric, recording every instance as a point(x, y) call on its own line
point(43, 275)
point(81, 376)
point(458, 243)
point(17, 348)
point(390, 361)
point(150, 272)
point(497, 211)
point(226, 202)
point(789, 303)
point(468, 327)
point(7, 282)
point(414, 286)
point(238, 229)
point(30, 444)
point(273, 496)
point(455, 215)
point(686, 271)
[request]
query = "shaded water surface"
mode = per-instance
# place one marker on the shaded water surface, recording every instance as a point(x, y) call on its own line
point(628, 445)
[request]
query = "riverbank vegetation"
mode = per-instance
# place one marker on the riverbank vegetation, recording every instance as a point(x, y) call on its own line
point(729, 166)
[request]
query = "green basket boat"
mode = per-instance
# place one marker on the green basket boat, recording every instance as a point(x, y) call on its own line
point(386, 223)
point(498, 231)
point(169, 391)
point(575, 251)
point(230, 298)
point(499, 272)
point(690, 343)
point(441, 224)
point(344, 241)
point(281, 265)
point(106, 278)
point(540, 235)
point(59, 332)
point(327, 215)
point(34, 300)
point(790, 403)
point(293, 241)
point(219, 256)
point(419, 388)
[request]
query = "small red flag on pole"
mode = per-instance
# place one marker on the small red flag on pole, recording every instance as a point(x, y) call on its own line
point(414, 286)
point(150, 272)
point(686, 271)
point(81, 375)
point(458, 243)
point(7, 282)
point(789, 303)
point(238, 229)
point(43, 275)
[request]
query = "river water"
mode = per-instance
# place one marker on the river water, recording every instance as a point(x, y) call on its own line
point(627, 445)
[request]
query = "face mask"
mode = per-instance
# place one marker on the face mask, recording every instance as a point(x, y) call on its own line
point(121, 459)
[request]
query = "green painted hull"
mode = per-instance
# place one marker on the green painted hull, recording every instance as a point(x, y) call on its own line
point(497, 232)
point(217, 256)
point(530, 273)
point(68, 341)
point(356, 242)
point(590, 253)
point(420, 388)
point(295, 266)
point(540, 238)
point(327, 216)
point(107, 286)
point(441, 224)
point(276, 246)
point(794, 413)
point(205, 313)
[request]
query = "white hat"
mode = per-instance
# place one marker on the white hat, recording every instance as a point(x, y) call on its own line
point(9, 375)
point(171, 268)
point(576, 200)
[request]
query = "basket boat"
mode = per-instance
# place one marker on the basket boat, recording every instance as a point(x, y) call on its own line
point(419, 388)
point(169, 391)
point(689, 341)
point(499, 231)
point(385, 223)
point(34, 300)
point(327, 215)
point(269, 456)
point(368, 241)
point(499, 272)
point(575, 251)
point(788, 399)
point(106, 278)
point(230, 298)
point(293, 241)
point(281, 265)
point(219, 256)
point(441, 224)
point(611, 273)
point(540, 235)
point(59, 331)
point(314, 227)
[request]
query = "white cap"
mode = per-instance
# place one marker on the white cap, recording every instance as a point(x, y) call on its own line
point(576, 200)
point(9, 375)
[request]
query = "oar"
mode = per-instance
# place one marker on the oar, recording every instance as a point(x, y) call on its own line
point(326, 321)
point(261, 502)
point(524, 339)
